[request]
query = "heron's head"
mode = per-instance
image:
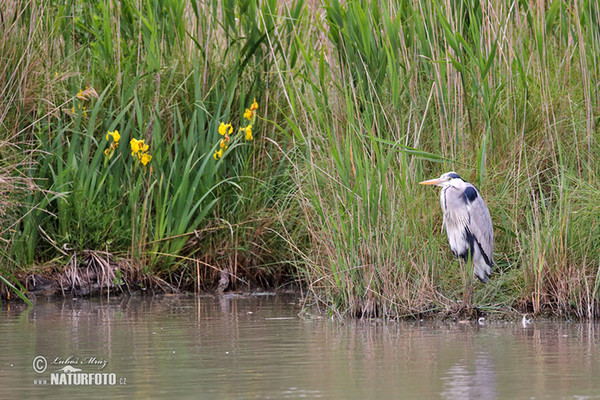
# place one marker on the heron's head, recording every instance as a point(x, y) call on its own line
point(448, 179)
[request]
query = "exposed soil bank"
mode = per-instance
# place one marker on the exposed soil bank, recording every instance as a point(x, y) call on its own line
point(96, 273)
point(95, 278)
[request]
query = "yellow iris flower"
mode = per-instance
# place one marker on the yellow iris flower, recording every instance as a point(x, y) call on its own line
point(225, 128)
point(115, 136)
point(138, 146)
point(248, 131)
point(135, 146)
point(218, 154)
point(145, 158)
point(250, 113)
point(139, 149)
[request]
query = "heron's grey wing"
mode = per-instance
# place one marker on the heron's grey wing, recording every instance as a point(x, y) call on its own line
point(480, 224)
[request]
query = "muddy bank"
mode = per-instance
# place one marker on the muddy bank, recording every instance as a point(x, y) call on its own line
point(95, 273)
point(91, 273)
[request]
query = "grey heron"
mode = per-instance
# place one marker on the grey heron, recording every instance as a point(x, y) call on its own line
point(467, 221)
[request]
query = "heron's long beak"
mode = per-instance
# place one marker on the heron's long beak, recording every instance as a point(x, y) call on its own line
point(430, 182)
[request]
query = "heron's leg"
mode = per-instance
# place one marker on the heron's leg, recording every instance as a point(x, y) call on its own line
point(468, 285)
point(469, 303)
point(468, 294)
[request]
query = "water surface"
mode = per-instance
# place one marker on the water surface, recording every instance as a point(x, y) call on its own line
point(257, 347)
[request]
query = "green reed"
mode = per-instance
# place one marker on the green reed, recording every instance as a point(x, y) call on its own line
point(357, 102)
point(485, 90)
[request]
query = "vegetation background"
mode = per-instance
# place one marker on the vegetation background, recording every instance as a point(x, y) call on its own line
point(357, 102)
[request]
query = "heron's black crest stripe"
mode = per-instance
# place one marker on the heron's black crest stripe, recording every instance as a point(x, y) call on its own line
point(454, 175)
point(469, 195)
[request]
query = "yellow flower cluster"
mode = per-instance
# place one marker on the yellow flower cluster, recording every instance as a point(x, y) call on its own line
point(226, 129)
point(140, 149)
point(115, 143)
point(251, 113)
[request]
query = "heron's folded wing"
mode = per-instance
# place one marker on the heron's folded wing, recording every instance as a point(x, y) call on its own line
point(480, 226)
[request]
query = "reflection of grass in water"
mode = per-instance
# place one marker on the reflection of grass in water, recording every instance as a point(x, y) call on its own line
point(355, 104)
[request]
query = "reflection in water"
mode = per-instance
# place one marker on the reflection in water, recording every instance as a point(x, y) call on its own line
point(242, 347)
point(471, 381)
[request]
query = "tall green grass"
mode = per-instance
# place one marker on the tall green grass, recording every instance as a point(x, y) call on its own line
point(358, 101)
point(403, 91)
point(167, 72)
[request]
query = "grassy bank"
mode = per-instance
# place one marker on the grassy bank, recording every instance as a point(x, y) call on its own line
point(356, 103)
